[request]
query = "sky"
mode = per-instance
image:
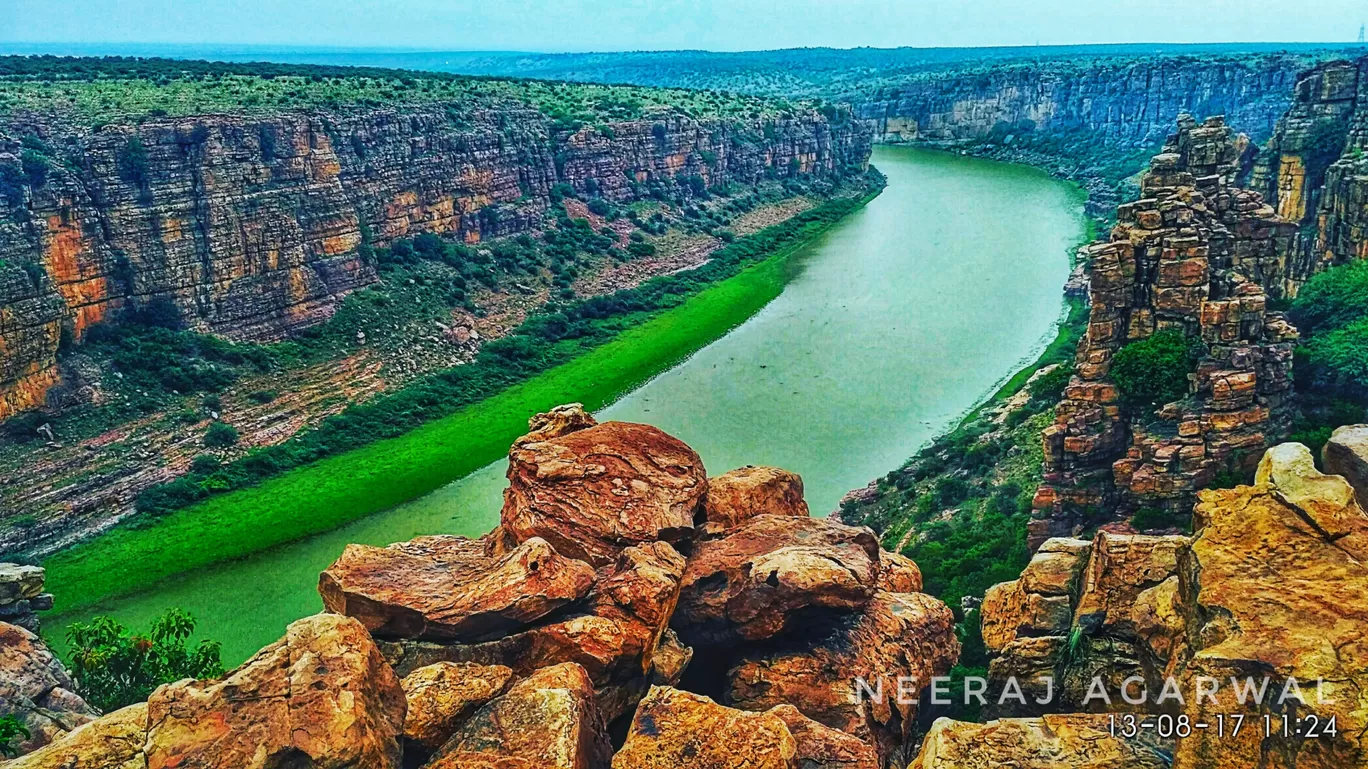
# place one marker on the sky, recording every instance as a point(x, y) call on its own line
point(723, 25)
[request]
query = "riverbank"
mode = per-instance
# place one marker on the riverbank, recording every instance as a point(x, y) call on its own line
point(338, 489)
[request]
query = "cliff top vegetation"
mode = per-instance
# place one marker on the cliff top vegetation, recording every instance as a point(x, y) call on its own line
point(101, 90)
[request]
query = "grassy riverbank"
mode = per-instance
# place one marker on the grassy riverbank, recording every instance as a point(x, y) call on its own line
point(335, 490)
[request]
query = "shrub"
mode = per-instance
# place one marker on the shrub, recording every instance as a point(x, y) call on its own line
point(1333, 299)
point(1154, 371)
point(1050, 387)
point(220, 435)
point(35, 166)
point(11, 184)
point(262, 396)
point(114, 668)
point(12, 732)
point(132, 162)
point(1153, 518)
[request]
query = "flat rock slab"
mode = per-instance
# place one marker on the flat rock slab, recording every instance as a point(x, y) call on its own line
point(446, 588)
point(674, 729)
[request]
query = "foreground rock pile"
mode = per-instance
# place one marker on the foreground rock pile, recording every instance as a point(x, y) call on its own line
point(707, 623)
point(1273, 586)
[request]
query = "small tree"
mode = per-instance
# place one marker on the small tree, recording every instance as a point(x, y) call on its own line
point(12, 732)
point(220, 435)
point(1154, 371)
point(114, 668)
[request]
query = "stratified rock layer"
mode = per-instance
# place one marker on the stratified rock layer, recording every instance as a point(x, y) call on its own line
point(1201, 257)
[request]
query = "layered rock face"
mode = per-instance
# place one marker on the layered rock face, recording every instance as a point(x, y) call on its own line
point(1313, 169)
point(1127, 103)
point(1199, 256)
point(36, 690)
point(1268, 594)
point(253, 228)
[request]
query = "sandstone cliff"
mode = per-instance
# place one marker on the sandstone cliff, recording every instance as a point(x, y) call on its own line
point(1242, 599)
point(1198, 256)
point(255, 227)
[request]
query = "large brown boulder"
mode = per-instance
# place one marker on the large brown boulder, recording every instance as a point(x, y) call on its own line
point(35, 688)
point(1281, 595)
point(545, 721)
point(765, 575)
point(614, 637)
point(1050, 742)
point(320, 697)
point(821, 747)
point(561, 420)
point(594, 491)
point(451, 588)
point(440, 697)
point(898, 573)
point(896, 638)
point(737, 496)
point(673, 729)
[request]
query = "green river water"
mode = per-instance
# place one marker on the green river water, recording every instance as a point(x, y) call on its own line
point(893, 324)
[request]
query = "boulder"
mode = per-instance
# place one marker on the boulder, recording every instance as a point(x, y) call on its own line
point(320, 697)
point(1346, 454)
point(1280, 597)
point(673, 729)
point(545, 721)
point(561, 420)
point(35, 688)
point(898, 573)
point(759, 579)
point(441, 696)
point(670, 660)
point(1121, 568)
point(1010, 612)
point(597, 490)
point(451, 588)
point(1327, 502)
point(614, 637)
point(737, 496)
point(821, 747)
point(1056, 567)
point(112, 742)
point(898, 638)
point(1049, 742)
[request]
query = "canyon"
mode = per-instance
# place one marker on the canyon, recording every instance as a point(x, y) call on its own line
point(631, 611)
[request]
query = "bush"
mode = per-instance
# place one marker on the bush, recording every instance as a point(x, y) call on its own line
point(114, 668)
point(1050, 387)
point(1333, 299)
point(12, 732)
point(132, 162)
point(220, 435)
point(1154, 370)
point(1154, 519)
point(35, 166)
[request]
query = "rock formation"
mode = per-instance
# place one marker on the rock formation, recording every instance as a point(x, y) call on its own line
point(736, 496)
point(22, 596)
point(1051, 742)
point(36, 690)
point(1271, 587)
point(1199, 256)
point(254, 227)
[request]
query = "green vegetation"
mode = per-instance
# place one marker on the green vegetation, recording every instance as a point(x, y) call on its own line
point(114, 668)
point(102, 90)
point(1153, 371)
point(1156, 519)
point(1330, 366)
point(220, 435)
point(371, 457)
point(12, 732)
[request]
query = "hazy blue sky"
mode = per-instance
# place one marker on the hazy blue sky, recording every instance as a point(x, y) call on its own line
point(578, 25)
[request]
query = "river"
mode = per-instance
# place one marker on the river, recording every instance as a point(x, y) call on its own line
point(893, 324)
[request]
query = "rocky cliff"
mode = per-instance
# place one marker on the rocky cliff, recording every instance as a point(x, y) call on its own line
point(1196, 256)
point(1241, 600)
point(255, 227)
point(1313, 169)
point(1128, 103)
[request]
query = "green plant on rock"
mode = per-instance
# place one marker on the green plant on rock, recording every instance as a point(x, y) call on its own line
point(12, 732)
point(220, 435)
point(114, 668)
point(1154, 370)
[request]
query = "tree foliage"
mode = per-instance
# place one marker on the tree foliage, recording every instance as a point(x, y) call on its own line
point(114, 668)
point(1154, 370)
point(12, 732)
